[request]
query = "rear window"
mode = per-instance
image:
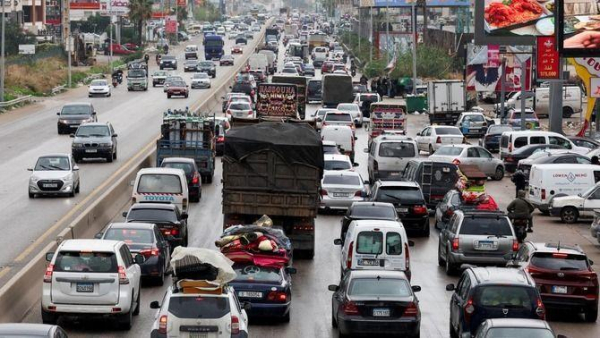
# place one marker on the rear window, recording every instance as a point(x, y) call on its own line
point(130, 236)
point(506, 297)
point(330, 150)
point(485, 226)
point(379, 287)
point(528, 115)
point(338, 118)
point(499, 129)
point(151, 215)
point(337, 165)
point(186, 167)
point(560, 261)
point(529, 332)
point(504, 141)
point(197, 307)
point(400, 195)
point(371, 98)
point(253, 273)
point(375, 211)
point(450, 151)
point(370, 243)
point(341, 179)
point(447, 131)
point(239, 106)
point(159, 183)
point(314, 86)
point(75, 261)
point(396, 149)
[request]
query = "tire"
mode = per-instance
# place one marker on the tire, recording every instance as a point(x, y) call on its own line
point(286, 318)
point(49, 318)
point(440, 260)
point(136, 312)
point(72, 193)
point(334, 323)
point(109, 158)
point(78, 188)
point(431, 150)
point(31, 195)
point(499, 174)
point(591, 315)
point(449, 267)
point(209, 179)
point(569, 215)
point(453, 333)
point(125, 320)
point(186, 96)
point(109, 94)
point(427, 231)
point(168, 96)
point(115, 155)
point(567, 112)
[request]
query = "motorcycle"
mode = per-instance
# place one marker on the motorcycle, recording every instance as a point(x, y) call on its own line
point(353, 71)
point(115, 82)
point(520, 226)
point(120, 78)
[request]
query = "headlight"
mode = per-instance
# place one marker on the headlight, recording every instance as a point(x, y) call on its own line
point(68, 178)
point(91, 119)
point(77, 145)
point(63, 121)
point(106, 144)
point(34, 179)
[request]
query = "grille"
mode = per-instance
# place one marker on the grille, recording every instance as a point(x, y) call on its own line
point(50, 185)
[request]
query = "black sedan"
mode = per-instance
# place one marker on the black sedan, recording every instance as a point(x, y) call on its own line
point(144, 239)
point(190, 66)
point(491, 139)
point(170, 221)
point(208, 67)
point(309, 70)
point(267, 288)
point(226, 60)
point(189, 167)
point(367, 210)
point(512, 160)
point(241, 39)
point(376, 302)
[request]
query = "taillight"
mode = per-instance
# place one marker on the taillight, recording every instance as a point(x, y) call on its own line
point(277, 296)
point(543, 194)
point(375, 165)
point(195, 179)
point(469, 309)
point(350, 308)
point(250, 113)
point(150, 252)
point(455, 244)
point(358, 193)
point(420, 209)
point(515, 246)
point(349, 259)
point(162, 324)
point(533, 272)
point(510, 148)
point(411, 310)
point(407, 260)
point(456, 161)
point(221, 139)
point(509, 159)
point(235, 325)
point(48, 273)
point(323, 192)
point(123, 276)
point(540, 310)
point(438, 140)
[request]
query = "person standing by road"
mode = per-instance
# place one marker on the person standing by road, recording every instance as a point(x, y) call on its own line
point(518, 179)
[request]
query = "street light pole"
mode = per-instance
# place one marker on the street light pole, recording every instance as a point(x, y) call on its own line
point(110, 45)
point(2, 64)
point(414, 48)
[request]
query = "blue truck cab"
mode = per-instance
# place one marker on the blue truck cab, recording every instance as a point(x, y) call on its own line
point(213, 47)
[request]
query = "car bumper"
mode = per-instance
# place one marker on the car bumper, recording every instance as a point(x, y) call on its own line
point(420, 223)
point(190, 69)
point(461, 258)
point(399, 327)
point(328, 203)
point(104, 93)
point(553, 210)
point(194, 191)
point(269, 310)
point(200, 85)
point(94, 152)
point(67, 188)
point(68, 127)
point(124, 305)
point(567, 302)
point(177, 93)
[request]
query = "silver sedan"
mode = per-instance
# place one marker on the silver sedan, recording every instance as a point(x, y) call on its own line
point(339, 189)
point(467, 154)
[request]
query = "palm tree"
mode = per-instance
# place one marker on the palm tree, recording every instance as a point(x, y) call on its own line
point(139, 12)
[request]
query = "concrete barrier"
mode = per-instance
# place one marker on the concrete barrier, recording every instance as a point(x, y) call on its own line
point(22, 292)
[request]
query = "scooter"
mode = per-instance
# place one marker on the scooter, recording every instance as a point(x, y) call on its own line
point(353, 72)
point(520, 226)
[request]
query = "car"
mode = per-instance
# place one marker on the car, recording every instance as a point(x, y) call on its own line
point(551, 156)
point(200, 80)
point(239, 109)
point(337, 118)
point(476, 237)
point(492, 292)
point(357, 88)
point(512, 160)
point(31, 330)
point(515, 328)
point(232, 35)
point(290, 71)
point(367, 211)
point(389, 155)
point(452, 201)
point(241, 39)
point(189, 167)
point(340, 67)
point(227, 99)
point(376, 302)
point(408, 200)
point(354, 110)
point(244, 88)
point(330, 147)
point(273, 45)
point(339, 189)
point(222, 127)
point(431, 138)
point(179, 88)
point(92, 278)
point(327, 67)
point(255, 28)
point(361, 98)
point(221, 31)
point(572, 208)
point(94, 140)
point(99, 87)
point(144, 239)
point(513, 118)
point(564, 276)
point(237, 49)
point(343, 136)
point(338, 163)
point(191, 52)
point(72, 115)
point(491, 139)
point(246, 78)
point(249, 35)
point(226, 60)
point(472, 124)
point(159, 77)
point(309, 70)
point(168, 61)
point(466, 154)
point(207, 67)
point(259, 75)
point(585, 142)
point(190, 66)
point(169, 80)
point(268, 288)
point(54, 174)
point(171, 222)
point(314, 90)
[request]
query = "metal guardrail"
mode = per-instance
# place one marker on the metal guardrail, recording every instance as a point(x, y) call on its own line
point(6, 104)
point(57, 89)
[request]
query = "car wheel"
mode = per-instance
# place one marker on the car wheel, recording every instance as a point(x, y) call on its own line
point(499, 175)
point(567, 112)
point(49, 317)
point(186, 96)
point(452, 331)
point(286, 318)
point(31, 195)
point(168, 96)
point(109, 158)
point(569, 215)
point(440, 259)
point(115, 155)
point(591, 315)
point(137, 302)
point(126, 319)
point(450, 268)
point(430, 149)
point(426, 229)
point(334, 323)
point(72, 193)
point(78, 188)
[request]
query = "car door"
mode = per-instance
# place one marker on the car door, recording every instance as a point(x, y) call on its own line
point(591, 203)
point(486, 160)
point(446, 234)
point(455, 302)
point(421, 139)
point(73, 171)
point(113, 137)
point(163, 246)
point(133, 270)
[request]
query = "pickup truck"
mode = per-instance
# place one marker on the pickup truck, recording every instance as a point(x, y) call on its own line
point(158, 78)
point(191, 52)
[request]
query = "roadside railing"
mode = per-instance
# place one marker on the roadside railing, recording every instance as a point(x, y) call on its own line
point(8, 104)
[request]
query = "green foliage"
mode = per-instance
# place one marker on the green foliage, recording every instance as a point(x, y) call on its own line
point(139, 12)
point(15, 36)
point(206, 12)
point(93, 24)
point(131, 57)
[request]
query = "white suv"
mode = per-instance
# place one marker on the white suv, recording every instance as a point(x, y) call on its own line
point(214, 314)
point(93, 278)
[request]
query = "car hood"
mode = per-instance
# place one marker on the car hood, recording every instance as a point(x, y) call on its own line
point(572, 199)
point(50, 174)
point(99, 87)
point(92, 139)
point(75, 117)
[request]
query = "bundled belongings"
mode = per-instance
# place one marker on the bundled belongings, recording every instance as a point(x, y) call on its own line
point(471, 184)
point(197, 264)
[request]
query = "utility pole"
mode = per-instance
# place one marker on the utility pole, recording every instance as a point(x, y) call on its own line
point(110, 45)
point(2, 61)
point(414, 48)
point(67, 34)
point(371, 39)
point(387, 29)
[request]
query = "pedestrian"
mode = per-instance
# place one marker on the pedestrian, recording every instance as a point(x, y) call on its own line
point(595, 160)
point(518, 179)
point(374, 85)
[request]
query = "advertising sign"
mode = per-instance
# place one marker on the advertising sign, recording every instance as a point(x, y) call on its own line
point(578, 27)
point(116, 7)
point(182, 3)
point(171, 24)
point(27, 49)
point(484, 69)
point(595, 87)
point(548, 60)
point(409, 3)
point(277, 100)
point(588, 69)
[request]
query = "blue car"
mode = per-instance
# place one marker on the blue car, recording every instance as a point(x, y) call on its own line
point(491, 139)
point(267, 288)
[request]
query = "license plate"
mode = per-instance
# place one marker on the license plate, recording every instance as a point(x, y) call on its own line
point(85, 287)
point(198, 335)
point(250, 294)
point(559, 289)
point(50, 185)
point(485, 245)
point(381, 312)
point(340, 194)
point(91, 150)
point(368, 262)
point(402, 209)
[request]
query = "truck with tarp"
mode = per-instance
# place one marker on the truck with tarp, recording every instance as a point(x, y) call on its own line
point(387, 118)
point(277, 100)
point(187, 135)
point(301, 83)
point(274, 169)
point(337, 88)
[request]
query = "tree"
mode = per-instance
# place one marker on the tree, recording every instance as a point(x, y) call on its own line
point(139, 12)
point(15, 36)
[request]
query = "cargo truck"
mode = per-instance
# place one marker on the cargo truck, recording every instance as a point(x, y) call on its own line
point(277, 100)
point(186, 135)
point(301, 82)
point(337, 88)
point(445, 101)
point(274, 169)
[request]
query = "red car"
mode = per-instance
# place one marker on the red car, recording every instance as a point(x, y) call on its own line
point(327, 67)
point(237, 49)
point(118, 50)
point(178, 88)
point(564, 276)
point(131, 46)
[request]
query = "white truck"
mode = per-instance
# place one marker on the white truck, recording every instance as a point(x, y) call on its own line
point(259, 62)
point(445, 100)
point(572, 101)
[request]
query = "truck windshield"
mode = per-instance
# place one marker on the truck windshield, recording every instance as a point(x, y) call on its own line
point(213, 43)
point(136, 73)
point(159, 183)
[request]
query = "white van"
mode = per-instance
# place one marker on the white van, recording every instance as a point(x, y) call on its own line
point(388, 156)
point(259, 62)
point(572, 101)
point(547, 181)
point(343, 136)
point(161, 185)
point(513, 140)
point(375, 245)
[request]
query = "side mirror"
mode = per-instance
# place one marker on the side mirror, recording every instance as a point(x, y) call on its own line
point(29, 169)
point(124, 214)
point(139, 259)
point(419, 134)
point(115, 135)
point(290, 270)
point(247, 306)
point(319, 119)
point(184, 216)
point(355, 164)
point(75, 168)
point(155, 305)
point(98, 235)
point(333, 287)
point(590, 261)
point(366, 150)
point(94, 113)
point(367, 182)
point(337, 241)
point(411, 243)
point(49, 256)
point(416, 288)
point(450, 287)
point(355, 138)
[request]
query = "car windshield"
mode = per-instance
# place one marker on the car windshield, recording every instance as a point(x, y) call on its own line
point(528, 115)
point(348, 107)
point(504, 296)
point(85, 131)
point(447, 131)
point(99, 83)
point(516, 332)
point(379, 287)
point(330, 149)
point(449, 151)
point(86, 261)
point(177, 84)
point(400, 195)
point(337, 165)
point(52, 163)
point(200, 76)
point(314, 85)
point(373, 211)
point(559, 261)
point(76, 109)
point(152, 215)
point(136, 73)
point(337, 117)
point(188, 168)
point(253, 273)
point(159, 183)
point(206, 63)
point(130, 236)
point(195, 307)
point(490, 226)
point(239, 106)
point(397, 149)
point(341, 180)
point(474, 118)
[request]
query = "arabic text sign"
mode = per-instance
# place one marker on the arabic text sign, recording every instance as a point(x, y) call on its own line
point(548, 60)
point(409, 3)
point(114, 7)
point(275, 99)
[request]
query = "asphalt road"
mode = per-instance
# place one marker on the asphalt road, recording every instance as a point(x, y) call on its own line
point(28, 132)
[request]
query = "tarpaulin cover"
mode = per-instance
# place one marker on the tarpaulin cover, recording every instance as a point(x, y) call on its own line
point(184, 262)
point(295, 143)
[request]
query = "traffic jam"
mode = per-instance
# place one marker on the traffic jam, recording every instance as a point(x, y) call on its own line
point(333, 199)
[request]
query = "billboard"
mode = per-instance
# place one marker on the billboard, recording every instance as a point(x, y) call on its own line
point(114, 7)
point(484, 69)
point(409, 3)
point(578, 28)
point(548, 60)
point(276, 99)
